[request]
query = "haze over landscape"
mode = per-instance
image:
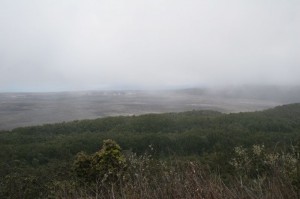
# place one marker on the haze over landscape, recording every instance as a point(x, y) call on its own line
point(135, 57)
point(150, 99)
point(129, 45)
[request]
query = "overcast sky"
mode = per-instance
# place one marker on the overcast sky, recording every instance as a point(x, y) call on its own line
point(55, 45)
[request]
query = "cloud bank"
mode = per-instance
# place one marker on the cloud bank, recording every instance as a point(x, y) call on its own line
point(53, 45)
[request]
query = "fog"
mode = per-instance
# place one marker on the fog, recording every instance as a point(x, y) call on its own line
point(25, 109)
point(69, 45)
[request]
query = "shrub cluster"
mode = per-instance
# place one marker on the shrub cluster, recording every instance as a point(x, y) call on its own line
point(257, 174)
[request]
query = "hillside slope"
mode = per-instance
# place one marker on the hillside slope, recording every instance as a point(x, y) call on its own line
point(45, 153)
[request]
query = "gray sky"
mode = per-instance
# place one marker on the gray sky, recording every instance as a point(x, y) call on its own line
point(53, 45)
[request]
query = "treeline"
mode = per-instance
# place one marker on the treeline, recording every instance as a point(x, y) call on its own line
point(32, 158)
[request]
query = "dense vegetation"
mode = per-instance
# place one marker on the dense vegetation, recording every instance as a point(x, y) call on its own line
point(39, 161)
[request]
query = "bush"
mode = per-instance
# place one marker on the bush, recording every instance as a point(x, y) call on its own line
point(106, 165)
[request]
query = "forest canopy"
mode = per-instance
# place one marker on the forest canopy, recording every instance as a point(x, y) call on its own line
point(34, 157)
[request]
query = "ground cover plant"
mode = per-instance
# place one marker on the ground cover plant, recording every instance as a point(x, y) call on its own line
point(195, 154)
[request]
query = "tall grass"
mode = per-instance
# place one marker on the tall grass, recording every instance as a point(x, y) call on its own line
point(146, 178)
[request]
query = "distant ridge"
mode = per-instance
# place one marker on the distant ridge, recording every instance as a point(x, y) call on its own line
point(290, 112)
point(28, 109)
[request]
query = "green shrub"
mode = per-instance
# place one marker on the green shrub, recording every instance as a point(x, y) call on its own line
point(106, 165)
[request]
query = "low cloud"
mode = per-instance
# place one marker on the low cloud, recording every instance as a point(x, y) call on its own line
point(76, 45)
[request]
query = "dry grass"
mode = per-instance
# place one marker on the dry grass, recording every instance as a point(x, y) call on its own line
point(148, 179)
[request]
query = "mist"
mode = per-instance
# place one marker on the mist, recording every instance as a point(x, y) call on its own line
point(69, 45)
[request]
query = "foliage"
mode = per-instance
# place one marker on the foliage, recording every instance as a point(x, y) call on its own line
point(105, 165)
point(257, 163)
point(147, 177)
point(37, 159)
